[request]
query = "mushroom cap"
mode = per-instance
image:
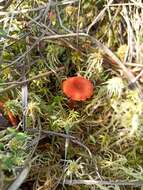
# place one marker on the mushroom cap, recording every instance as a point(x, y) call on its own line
point(77, 88)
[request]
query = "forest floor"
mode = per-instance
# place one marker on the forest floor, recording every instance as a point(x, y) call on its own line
point(51, 136)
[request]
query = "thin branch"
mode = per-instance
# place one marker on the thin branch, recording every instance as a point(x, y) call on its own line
point(138, 76)
point(61, 40)
point(72, 138)
point(4, 13)
point(125, 4)
point(99, 16)
point(96, 182)
point(30, 79)
point(61, 22)
point(7, 4)
point(24, 54)
point(20, 179)
point(77, 27)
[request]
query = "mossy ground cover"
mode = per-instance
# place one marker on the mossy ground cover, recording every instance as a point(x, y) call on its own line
point(49, 144)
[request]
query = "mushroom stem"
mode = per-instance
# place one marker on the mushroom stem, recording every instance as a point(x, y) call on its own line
point(71, 103)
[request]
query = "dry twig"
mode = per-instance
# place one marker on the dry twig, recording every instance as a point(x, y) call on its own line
point(15, 84)
point(99, 182)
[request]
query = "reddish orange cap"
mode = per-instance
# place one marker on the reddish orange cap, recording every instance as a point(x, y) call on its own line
point(77, 88)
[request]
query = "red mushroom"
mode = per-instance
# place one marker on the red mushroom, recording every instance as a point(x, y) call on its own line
point(77, 88)
point(9, 114)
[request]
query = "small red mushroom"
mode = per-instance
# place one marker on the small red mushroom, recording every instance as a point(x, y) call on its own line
point(12, 118)
point(77, 88)
point(9, 114)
